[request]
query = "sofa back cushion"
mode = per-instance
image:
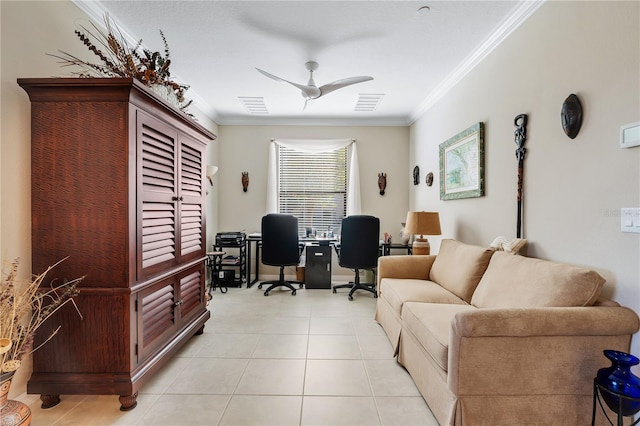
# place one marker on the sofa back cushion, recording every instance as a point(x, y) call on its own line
point(458, 267)
point(522, 282)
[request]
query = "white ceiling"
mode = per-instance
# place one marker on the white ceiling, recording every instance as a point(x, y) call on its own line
point(413, 56)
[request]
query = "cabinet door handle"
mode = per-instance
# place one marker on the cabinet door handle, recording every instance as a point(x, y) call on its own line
point(176, 198)
point(178, 303)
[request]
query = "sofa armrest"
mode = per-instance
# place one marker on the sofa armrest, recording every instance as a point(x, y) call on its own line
point(405, 266)
point(536, 351)
point(524, 322)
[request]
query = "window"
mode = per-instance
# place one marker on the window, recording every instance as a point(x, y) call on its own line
point(313, 187)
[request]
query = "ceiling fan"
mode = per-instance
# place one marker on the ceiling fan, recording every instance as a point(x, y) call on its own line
point(310, 91)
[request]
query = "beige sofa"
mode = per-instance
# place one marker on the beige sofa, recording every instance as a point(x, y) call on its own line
point(492, 338)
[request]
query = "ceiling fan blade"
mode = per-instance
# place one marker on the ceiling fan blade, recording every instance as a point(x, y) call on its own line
point(274, 77)
point(339, 84)
point(307, 91)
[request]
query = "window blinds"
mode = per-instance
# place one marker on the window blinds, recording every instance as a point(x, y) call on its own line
point(313, 187)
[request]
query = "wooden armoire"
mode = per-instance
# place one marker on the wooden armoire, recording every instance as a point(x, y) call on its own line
point(118, 187)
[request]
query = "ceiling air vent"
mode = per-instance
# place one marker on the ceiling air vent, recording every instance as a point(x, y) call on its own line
point(254, 104)
point(368, 101)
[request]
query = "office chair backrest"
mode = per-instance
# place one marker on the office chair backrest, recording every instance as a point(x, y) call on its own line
point(360, 242)
point(280, 240)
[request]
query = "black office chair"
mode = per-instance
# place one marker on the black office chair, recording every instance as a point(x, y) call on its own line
point(280, 247)
point(359, 249)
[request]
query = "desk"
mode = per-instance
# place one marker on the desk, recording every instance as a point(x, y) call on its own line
point(257, 240)
point(387, 247)
point(385, 250)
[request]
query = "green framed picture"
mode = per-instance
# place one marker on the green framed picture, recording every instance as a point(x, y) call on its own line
point(462, 164)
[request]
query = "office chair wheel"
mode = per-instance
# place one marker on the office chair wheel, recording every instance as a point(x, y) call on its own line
point(350, 297)
point(301, 285)
point(260, 286)
point(293, 293)
point(266, 293)
point(333, 290)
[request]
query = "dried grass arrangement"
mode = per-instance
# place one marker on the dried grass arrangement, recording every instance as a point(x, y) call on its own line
point(118, 59)
point(25, 306)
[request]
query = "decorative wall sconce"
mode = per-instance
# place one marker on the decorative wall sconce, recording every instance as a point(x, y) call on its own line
point(245, 181)
point(211, 171)
point(429, 179)
point(382, 182)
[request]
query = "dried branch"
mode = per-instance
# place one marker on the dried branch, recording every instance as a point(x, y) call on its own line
point(118, 59)
point(24, 307)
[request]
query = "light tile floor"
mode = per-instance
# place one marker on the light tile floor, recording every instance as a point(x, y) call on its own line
point(311, 359)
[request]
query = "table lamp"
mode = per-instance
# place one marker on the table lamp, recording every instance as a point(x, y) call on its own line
point(422, 223)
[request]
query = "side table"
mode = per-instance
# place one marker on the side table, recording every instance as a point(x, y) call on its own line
point(386, 248)
point(214, 261)
point(597, 390)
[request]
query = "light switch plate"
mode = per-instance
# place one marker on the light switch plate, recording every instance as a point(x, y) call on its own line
point(630, 220)
point(630, 135)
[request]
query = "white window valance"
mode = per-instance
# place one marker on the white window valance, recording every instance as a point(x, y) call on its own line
point(314, 146)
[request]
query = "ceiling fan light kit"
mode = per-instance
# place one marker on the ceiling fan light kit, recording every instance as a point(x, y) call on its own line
point(311, 91)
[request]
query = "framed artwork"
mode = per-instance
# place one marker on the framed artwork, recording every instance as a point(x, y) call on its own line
point(462, 164)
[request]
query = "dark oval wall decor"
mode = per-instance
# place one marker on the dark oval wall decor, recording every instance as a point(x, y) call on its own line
point(416, 175)
point(571, 115)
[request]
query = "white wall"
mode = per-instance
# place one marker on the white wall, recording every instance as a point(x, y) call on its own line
point(574, 189)
point(30, 30)
point(245, 148)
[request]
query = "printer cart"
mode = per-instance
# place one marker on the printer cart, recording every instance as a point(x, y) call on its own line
point(233, 266)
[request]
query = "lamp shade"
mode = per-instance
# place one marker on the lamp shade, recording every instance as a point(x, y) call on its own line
point(423, 223)
point(211, 170)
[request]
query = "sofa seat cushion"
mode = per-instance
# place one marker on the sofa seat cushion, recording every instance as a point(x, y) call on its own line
point(522, 282)
point(430, 323)
point(397, 291)
point(458, 267)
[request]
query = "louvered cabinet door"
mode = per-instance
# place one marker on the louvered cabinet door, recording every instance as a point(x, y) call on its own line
point(191, 196)
point(192, 293)
point(157, 196)
point(157, 316)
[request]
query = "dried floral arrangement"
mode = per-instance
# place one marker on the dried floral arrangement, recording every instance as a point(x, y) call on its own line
point(118, 59)
point(24, 307)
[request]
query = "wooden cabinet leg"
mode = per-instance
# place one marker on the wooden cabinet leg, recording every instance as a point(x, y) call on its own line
point(128, 402)
point(49, 401)
point(200, 331)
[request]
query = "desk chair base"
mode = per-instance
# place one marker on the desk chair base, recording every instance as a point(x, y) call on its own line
point(357, 286)
point(369, 287)
point(280, 283)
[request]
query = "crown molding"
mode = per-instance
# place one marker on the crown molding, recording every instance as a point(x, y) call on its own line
point(313, 121)
point(508, 25)
point(96, 11)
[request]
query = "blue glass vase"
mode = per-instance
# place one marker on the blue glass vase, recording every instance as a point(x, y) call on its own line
point(619, 379)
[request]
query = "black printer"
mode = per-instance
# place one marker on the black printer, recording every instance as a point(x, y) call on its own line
point(230, 239)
